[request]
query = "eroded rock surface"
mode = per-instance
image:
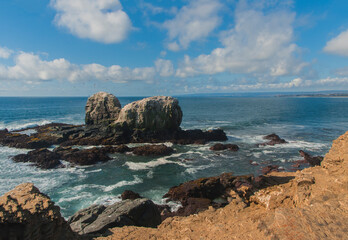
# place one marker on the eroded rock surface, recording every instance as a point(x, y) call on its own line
point(102, 108)
point(25, 213)
point(152, 114)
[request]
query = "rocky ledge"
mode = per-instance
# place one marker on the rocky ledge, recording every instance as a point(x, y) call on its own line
point(150, 120)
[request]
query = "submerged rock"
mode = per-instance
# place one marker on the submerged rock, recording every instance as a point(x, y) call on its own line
point(151, 114)
point(102, 108)
point(25, 213)
point(41, 158)
point(220, 147)
point(273, 140)
point(153, 150)
point(97, 219)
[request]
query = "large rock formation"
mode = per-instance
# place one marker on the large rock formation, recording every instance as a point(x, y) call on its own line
point(25, 213)
point(102, 108)
point(98, 218)
point(151, 114)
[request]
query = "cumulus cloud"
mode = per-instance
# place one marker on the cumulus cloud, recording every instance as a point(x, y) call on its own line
point(99, 20)
point(192, 22)
point(5, 52)
point(338, 45)
point(260, 44)
point(31, 68)
point(164, 67)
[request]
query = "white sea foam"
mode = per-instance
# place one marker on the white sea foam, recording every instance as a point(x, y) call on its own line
point(193, 170)
point(136, 180)
point(147, 165)
point(257, 154)
point(80, 195)
point(312, 146)
point(107, 199)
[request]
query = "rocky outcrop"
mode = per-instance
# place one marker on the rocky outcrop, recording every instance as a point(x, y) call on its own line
point(220, 147)
point(153, 150)
point(151, 114)
point(97, 218)
point(25, 213)
point(102, 108)
point(313, 161)
point(273, 140)
point(308, 204)
point(128, 194)
point(41, 158)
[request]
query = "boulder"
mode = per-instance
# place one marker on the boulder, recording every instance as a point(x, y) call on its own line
point(273, 140)
point(153, 150)
point(25, 213)
point(151, 114)
point(97, 219)
point(220, 147)
point(102, 108)
point(128, 194)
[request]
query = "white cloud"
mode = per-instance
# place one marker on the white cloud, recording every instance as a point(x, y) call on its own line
point(100, 20)
point(164, 67)
point(260, 44)
point(31, 68)
point(193, 22)
point(5, 52)
point(338, 45)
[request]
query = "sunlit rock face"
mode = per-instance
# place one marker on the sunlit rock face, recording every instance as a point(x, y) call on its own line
point(102, 108)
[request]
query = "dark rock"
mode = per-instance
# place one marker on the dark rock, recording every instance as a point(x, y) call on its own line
point(269, 169)
point(273, 140)
point(41, 158)
point(97, 219)
point(153, 150)
point(128, 194)
point(220, 147)
point(198, 136)
point(84, 156)
point(313, 161)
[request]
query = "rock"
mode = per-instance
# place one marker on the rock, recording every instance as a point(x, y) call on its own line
point(199, 137)
point(313, 161)
point(41, 158)
point(153, 150)
point(25, 213)
point(220, 147)
point(97, 219)
point(102, 108)
point(128, 194)
point(269, 169)
point(151, 114)
point(273, 140)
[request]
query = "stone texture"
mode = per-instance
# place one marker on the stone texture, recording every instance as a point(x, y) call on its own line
point(25, 213)
point(152, 114)
point(102, 108)
point(97, 219)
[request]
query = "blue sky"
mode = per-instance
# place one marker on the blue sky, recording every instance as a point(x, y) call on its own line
point(167, 47)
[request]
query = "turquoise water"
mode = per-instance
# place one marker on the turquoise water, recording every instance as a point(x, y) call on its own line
point(309, 124)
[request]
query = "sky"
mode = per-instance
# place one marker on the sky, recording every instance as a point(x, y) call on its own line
point(172, 47)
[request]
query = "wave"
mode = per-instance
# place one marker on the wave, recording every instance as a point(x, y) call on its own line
point(136, 180)
point(23, 125)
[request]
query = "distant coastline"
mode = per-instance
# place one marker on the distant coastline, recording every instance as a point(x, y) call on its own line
point(333, 95)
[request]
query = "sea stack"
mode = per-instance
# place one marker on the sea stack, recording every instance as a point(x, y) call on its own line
point(151, 114)
point(102, 108)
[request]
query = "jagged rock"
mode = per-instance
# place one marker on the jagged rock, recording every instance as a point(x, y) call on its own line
point(273, 140)
point(151, 114)
point(220, 147)
point(128, 194)
point(102, 108)
point(153, 150)
point(41, 158)
point(198, 136)
point(97, 219)
point(25, 213)
point(313, 161)
point(270, 168)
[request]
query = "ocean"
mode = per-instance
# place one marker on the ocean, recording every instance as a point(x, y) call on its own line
point(309, 124)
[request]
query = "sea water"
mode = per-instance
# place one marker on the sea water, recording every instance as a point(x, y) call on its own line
point(309, 124)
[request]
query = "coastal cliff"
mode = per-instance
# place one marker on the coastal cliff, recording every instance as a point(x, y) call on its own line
point(310, 204)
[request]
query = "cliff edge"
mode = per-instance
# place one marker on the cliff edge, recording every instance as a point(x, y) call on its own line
point(309, 204)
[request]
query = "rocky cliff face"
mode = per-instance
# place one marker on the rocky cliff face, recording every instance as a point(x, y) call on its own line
point(25, 213)
point(102, 108)
point(152, 114)
point(307, 204)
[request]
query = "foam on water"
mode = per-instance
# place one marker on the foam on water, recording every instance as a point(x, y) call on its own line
point(136, 180)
